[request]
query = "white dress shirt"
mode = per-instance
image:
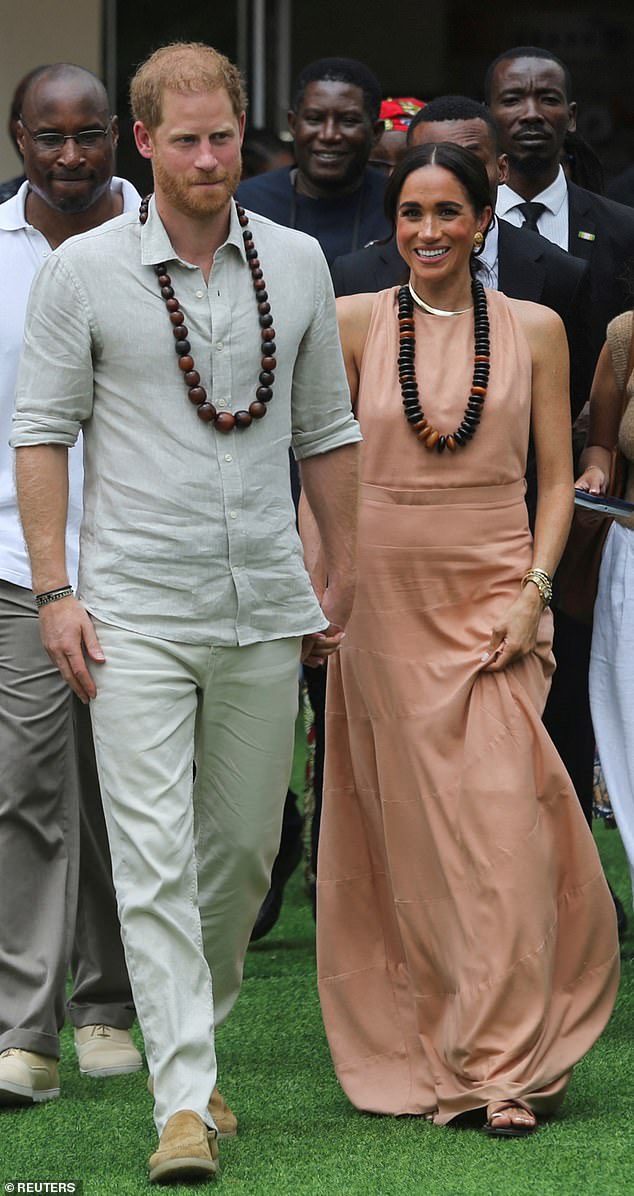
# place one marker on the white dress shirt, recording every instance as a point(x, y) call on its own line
point(22, 251)
point(553, 223)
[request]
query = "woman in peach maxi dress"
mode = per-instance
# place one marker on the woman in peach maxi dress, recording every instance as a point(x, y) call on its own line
point(467, 947)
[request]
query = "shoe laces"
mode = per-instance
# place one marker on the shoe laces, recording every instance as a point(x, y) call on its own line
point(101, 1032)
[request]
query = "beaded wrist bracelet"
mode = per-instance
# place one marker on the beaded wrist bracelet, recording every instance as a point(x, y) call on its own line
point(53, 596)
point(543, 581)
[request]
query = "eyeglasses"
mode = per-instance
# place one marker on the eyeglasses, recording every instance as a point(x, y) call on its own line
point(86, 138)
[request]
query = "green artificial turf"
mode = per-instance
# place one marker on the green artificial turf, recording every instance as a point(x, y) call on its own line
point(298, 1133)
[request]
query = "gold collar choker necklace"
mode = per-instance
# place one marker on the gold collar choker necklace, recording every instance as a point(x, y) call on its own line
point(434, 311)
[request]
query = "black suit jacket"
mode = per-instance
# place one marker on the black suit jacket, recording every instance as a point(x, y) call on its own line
point(608, 248)
point(529, 267)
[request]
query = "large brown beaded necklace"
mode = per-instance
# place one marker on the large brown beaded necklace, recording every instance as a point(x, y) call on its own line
point(224, 421)
point(425, 431)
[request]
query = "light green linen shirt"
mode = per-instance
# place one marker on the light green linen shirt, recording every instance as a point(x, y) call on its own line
point(188, 533)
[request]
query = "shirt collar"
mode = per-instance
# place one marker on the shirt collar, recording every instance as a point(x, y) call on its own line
point(553, 197)
point(156, 246)
point(13, 212)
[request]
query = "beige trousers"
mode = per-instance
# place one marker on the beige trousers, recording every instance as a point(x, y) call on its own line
point(191, 861)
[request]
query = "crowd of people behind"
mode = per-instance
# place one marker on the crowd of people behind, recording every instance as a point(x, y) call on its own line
point(159, 359)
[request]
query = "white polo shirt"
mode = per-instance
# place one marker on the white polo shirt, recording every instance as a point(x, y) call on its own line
point(22, 251)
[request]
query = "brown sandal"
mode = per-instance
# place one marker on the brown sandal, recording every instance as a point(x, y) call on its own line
point(514, 1130)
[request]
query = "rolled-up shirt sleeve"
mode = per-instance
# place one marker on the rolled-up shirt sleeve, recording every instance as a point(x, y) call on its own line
point(321, 410)
point(54, 393)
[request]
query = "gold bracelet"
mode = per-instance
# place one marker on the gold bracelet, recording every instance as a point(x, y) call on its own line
point(543, 581)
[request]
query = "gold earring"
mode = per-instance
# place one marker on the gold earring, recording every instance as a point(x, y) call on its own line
point(478, 241)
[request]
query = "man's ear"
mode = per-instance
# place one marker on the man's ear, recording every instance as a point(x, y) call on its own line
point(572, 118)
point(114, 129)
point(20, 136)
point(143, 140)
point(292, 118)
point(503, 168)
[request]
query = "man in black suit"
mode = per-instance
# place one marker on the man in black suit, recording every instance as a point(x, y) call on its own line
point(528, 92)
point(522, 264)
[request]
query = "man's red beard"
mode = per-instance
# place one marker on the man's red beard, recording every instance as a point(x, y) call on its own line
point(188, 197)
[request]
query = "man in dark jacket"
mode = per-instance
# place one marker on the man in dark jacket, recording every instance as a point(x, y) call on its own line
point(529, 94)
point(331, 193)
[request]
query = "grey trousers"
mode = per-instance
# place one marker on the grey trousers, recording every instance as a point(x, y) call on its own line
point(57, 903)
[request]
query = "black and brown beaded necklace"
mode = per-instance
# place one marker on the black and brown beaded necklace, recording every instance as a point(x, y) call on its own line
point(425, 431)
point(224, 421)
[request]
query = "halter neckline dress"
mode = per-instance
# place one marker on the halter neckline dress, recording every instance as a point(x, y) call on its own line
point(467, 947)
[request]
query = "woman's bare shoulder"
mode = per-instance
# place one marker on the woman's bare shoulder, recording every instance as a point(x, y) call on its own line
point(355, 309)
point(354, 313)
point(536, 319)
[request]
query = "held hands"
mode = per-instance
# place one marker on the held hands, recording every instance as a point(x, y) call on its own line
point(317, 648)
point(68, 635)
point(516, 635)
point(336, 605)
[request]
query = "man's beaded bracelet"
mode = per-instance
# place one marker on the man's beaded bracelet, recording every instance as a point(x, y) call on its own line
point(53, 596)
point(543, 581)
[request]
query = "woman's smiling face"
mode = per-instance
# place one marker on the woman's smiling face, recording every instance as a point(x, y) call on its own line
point(436, 223)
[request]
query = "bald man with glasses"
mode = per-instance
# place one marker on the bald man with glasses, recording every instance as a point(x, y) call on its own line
point(56, 893)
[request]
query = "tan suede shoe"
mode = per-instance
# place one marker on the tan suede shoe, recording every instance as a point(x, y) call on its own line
point(225, 1120)
point(187, 1150)
point(27, 1078)
point(105, 1051)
